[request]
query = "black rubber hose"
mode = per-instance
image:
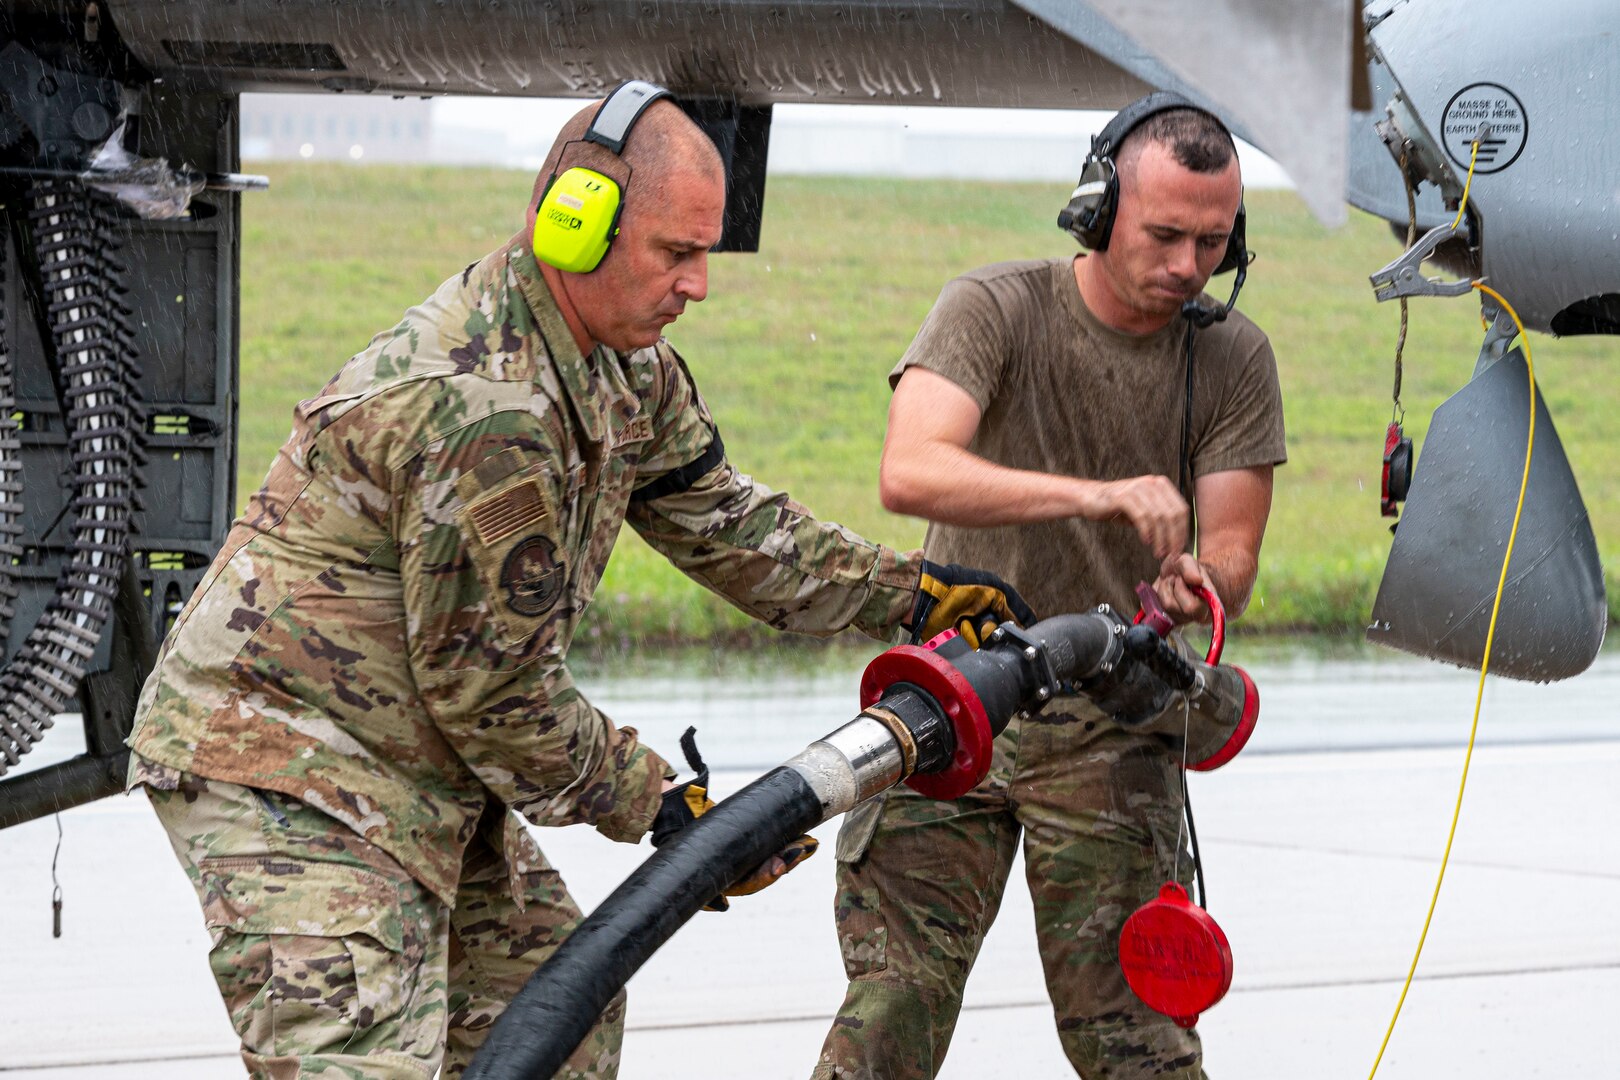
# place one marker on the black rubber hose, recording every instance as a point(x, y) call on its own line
point(1002, 679)
point(1006, 681)
point(563, 999)
point(62, 786)
point(560, 1003)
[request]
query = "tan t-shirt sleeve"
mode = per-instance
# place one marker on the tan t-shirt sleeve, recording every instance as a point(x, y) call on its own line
point(964, 338)
point(1246, 430)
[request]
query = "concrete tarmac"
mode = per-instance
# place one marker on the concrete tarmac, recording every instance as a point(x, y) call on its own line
point(1320, 867)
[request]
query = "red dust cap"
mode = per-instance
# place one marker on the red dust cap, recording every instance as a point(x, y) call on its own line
point(1175, 957)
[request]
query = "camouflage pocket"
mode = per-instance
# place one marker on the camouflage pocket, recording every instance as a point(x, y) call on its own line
point(860, 825)
point(307, 954)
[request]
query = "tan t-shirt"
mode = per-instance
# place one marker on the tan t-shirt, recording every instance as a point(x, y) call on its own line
point(1060, 392)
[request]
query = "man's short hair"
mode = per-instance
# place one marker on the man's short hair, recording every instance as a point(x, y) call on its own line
point(1198, 140)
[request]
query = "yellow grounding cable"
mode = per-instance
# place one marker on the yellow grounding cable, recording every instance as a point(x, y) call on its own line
point(1490, 633)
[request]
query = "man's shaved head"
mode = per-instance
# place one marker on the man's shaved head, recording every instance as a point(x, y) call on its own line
point(674, 204)
point(663, 143)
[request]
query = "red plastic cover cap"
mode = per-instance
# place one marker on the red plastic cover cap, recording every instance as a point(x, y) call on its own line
point(1175, 957)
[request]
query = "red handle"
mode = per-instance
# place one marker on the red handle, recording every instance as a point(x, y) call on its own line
point(1153, 612)
point(1217, 620)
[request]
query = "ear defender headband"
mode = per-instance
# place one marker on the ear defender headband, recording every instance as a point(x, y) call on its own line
point(578, 216)
point(1089, 217)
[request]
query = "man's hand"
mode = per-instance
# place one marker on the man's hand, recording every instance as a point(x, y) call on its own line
point(685, 803)
point(1179, 578)
point(1151, 504)
point(772, 868)
point(971, 602)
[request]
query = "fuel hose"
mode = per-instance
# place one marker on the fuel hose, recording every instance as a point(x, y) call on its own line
point(549, 1018)
point(928, 720)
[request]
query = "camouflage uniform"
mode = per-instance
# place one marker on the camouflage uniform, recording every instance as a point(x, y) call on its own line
point(377, 657)
point(1098, 808)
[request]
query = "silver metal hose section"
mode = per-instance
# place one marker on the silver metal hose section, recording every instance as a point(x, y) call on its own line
point(73, 234)
point(850, 765)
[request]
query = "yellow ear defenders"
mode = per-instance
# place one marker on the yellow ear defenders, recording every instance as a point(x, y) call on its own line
point(578, 216)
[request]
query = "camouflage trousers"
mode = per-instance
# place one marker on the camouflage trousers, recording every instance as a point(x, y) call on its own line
point(920, 881)
point(333, 961)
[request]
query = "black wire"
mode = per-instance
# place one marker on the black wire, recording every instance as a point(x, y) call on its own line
point(1192, 835)
point(1184, 477)
point(56, 886)
point(1184, 480)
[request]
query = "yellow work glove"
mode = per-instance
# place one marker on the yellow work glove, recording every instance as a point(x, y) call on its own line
point(971, 602)
point(685, 803)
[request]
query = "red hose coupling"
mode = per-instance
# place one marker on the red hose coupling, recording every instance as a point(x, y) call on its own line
point(940, 680)
point(1240, 734)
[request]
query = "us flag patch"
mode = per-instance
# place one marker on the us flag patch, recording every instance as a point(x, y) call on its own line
point(498, 516)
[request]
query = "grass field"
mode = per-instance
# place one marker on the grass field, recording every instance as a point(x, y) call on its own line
point(792, 347)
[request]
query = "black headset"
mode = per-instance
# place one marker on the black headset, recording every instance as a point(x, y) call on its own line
point(1089, 215)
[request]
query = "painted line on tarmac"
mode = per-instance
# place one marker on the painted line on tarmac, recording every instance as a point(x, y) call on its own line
point(127, 1059)
point(1428, 859)
point(1251, 988)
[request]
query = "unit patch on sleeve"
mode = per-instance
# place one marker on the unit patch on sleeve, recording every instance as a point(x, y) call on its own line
point(532, 576)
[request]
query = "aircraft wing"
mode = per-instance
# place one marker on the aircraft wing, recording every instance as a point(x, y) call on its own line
point(1279, 72)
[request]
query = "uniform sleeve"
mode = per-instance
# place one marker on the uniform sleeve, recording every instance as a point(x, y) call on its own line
point(485, 578)
point(1247, 429)
point(757, 548)
point(963, 338)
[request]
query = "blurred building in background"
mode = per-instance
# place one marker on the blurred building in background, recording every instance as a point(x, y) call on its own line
point(336, 127)
point(849, 140)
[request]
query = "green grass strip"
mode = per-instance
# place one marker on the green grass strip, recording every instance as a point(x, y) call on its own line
point(793, 345)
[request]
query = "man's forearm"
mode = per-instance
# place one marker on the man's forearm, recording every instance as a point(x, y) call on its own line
point(950, 485)
point(1231, 573)
point(1233, 506)
point(772, 558)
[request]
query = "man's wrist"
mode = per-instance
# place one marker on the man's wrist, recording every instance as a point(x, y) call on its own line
point(1225, 580)
point(638, 795)
point(1082, 497)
